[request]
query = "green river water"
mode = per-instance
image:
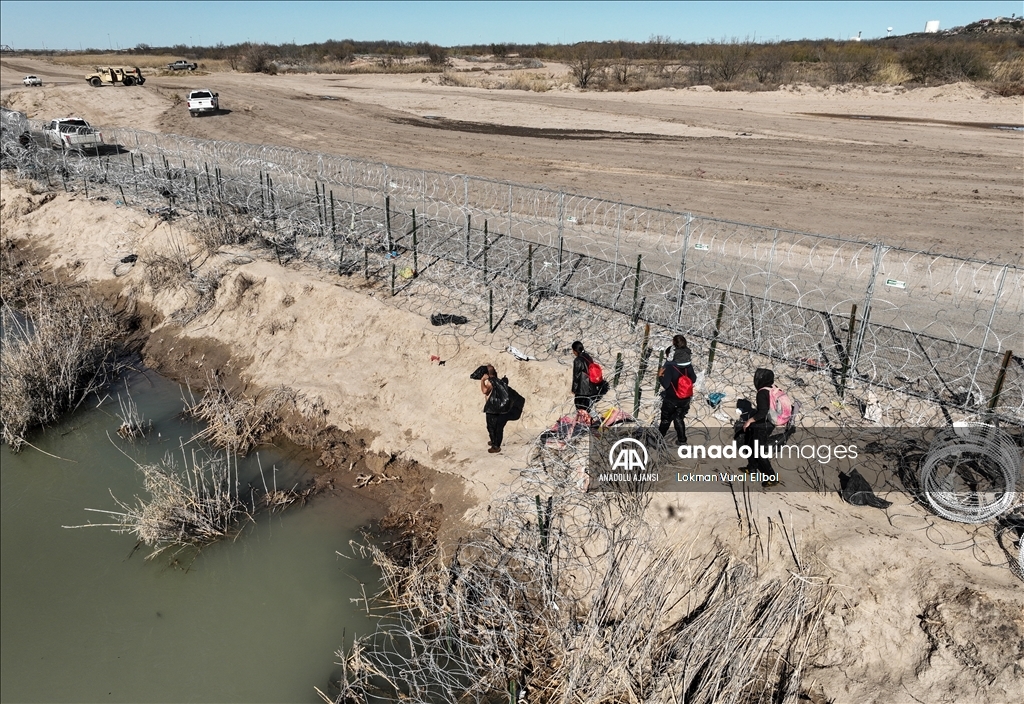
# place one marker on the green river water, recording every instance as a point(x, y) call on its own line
point(257, 619)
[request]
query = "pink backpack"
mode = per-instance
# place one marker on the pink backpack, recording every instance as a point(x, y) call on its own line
point(780, 406)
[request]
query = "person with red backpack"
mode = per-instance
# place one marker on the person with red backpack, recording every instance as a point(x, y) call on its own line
point(677, 379)
point(588, 384)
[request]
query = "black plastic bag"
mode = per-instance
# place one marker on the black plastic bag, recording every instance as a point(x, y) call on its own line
point(499, 400)
point(857, 491)
point(446, 318)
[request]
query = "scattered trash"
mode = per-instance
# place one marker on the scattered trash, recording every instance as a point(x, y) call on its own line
point(407, 272)
point(435, 358)
point(371, 479)
point(521, 356)
point(715, 399)
point(448, 318)
point(872, 409)
point(722, 416)
point(125, 264)
point(525, 323)
point(391, 255)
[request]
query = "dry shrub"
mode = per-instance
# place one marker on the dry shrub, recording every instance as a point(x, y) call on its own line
point(177, 267)
point(522, 80)
point(238, 422)
point(450, 78)
point(195, 507)
point(892, 73)
point(17, 277)
point(202, 295)
point(170, 268)
point(63, 347)
point(937, 62)
point(1008, 76)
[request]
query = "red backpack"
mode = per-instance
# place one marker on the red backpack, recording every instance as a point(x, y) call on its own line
point(683, 386)
point(594, 372)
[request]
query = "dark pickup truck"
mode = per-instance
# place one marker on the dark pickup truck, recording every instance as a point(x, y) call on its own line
point(182, 65)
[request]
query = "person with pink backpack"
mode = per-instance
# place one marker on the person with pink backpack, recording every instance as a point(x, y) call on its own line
point(774, 409)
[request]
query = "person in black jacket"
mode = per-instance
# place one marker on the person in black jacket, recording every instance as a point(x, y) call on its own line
point(495, 421)
point(673, 408)
point(759, 425)
point(585, 392)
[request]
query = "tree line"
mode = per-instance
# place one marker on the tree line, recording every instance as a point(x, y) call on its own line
point(972, 53)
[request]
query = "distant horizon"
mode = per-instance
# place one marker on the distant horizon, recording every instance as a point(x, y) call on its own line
point(57, 25)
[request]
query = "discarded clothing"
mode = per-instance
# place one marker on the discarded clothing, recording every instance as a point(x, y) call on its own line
point(565, 428)
point(856, 490)
point(615, 416)
point(447, 318)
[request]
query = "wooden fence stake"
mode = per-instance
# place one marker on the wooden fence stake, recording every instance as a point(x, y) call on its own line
point(714, 339)
point(846, 352)
point(1000, 378)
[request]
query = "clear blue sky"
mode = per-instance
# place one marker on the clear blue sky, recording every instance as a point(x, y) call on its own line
point(102, 25)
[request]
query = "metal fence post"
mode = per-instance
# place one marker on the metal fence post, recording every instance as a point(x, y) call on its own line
point(510, 210)
point(876, 266)
point(767, 286)
point(988, 329)
point(618, 229)
point(682, 270)
point(561, 240)
point(465, 212)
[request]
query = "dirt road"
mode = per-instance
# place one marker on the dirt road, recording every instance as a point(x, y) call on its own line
point(932, 168)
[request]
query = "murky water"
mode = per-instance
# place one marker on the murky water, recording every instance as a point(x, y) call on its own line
point(85, 620)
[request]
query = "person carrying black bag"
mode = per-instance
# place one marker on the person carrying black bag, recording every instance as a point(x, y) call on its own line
point(502, 405)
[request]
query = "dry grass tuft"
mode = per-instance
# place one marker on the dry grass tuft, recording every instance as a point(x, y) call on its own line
point(191, 508)
point(1008, 77)
point(171, 268)
point(133, 425)
point(64, 346)
point(238, 422)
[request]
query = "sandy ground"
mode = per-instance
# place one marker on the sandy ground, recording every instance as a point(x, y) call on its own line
point(923, 611)
point(783, 159)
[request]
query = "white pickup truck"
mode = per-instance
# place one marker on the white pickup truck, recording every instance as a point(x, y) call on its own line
point(203, 101)
point(72, 133)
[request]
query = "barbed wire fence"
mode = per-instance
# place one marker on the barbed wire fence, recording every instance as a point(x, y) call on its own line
point(534, 269)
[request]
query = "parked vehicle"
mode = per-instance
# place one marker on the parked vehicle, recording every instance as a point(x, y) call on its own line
point(112, 75)
point(182, 65)
point(202, 101)
point(32, 81)
point(72, 133)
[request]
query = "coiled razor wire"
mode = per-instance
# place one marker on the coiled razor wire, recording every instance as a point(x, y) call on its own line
point(971, 472)
point(535, 269)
